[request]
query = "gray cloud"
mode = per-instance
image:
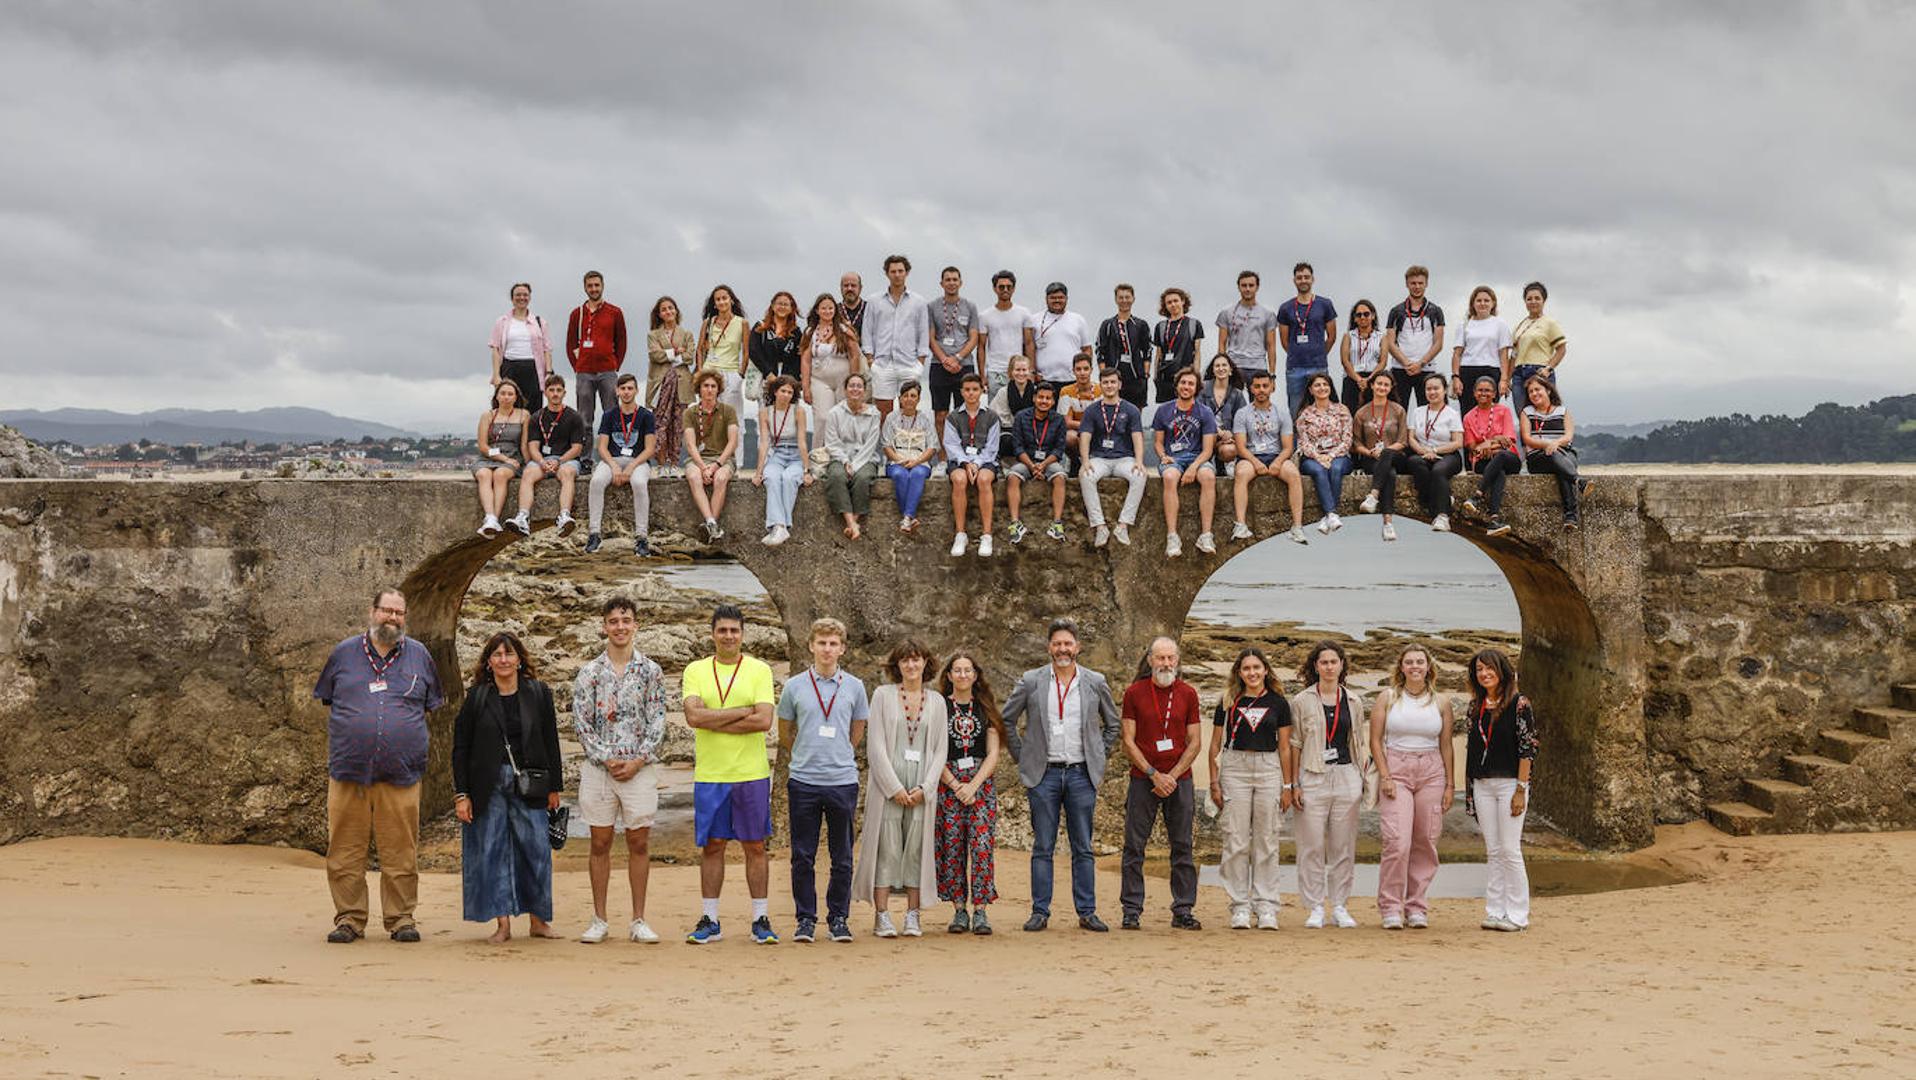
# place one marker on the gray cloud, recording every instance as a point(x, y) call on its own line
point(239, 204)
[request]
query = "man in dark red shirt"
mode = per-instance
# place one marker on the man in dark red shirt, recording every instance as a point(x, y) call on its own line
point(595, 343)
point(1162, 736)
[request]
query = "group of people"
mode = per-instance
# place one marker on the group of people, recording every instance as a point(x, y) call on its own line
point(1022, 398)
point(934, 733)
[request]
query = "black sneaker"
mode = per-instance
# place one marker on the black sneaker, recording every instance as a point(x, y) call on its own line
point(1129, 922)
point(840, 927)
point(806, 932)
point(343, 934)
point(592, 543)
point(1497, 526)
point(1186, 922)
point(1571, 522)
point(642, 547)
point(1092, 923)
point(407, 934)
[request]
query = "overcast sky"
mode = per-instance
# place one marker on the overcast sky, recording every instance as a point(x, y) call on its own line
point(249, 204)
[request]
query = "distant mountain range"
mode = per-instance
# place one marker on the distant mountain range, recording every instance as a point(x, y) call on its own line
point(1623, 431)
point(177, 427)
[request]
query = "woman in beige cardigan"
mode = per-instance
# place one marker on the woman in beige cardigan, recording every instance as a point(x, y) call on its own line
point(1331, 733)
point(905, 755)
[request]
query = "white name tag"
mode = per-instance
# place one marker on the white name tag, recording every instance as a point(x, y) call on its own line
point(1330, 755)
point(1164, 745)
point(551, 450)
point(828, 731)
point(1303, 339)
point(1109, 443)
point(966, 763)
point(914, 755)
point(585, 343)
point(625, 451)
point(377, 686)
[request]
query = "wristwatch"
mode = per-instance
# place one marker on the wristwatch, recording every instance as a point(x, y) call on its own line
point(1287, 787)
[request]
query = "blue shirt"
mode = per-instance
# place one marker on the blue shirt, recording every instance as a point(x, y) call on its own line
point(626, 432)
point(376, 734)
point(1306, 329)
point(819, 759)
point(1110, 428)
point(1184, 431)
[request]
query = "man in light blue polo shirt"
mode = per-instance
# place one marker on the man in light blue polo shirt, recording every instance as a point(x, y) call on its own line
point(822, 715)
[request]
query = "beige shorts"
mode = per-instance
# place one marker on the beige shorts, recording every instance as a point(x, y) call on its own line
point(608, 803)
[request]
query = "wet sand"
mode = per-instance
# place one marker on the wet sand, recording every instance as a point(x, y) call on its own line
point(142, 958)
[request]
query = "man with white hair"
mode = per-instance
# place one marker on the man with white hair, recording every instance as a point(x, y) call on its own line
point(1161, 733)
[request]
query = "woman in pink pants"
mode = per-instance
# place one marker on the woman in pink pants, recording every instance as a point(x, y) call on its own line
point(1411, 744)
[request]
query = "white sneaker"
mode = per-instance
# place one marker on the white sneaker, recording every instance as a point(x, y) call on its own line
point(784, 534)
point(642, 933)
point(1206, 544)
point(521, 523)
point(595, 933)
point(1390, 532)
point(1344, 920)
point(911, 925)
point(770, 539)
point(1100, 536)
point(1418, 921)
point(1440, 523)
point(958, 544)
point(1369, 505)
point(1173, 546)
point(1123, 533)
point(1297, 535)
point(1492, 922)
point(1241, 919)
point(1316, 921)
point(882, 927)
point(567, 523)
point(1241, 531)
point(1334, 522)
point(489, 528)
point(984, 546)
point(1267, 921)
point(1393, 922)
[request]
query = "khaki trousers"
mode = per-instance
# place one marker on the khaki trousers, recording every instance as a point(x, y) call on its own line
point(382, 814)
point(1327, 835)
point(1253, 785)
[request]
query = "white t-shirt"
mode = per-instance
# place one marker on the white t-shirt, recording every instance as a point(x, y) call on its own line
point(1004, 336)
point(1435, 427)
point(518, 340)
point(1058, 338)
point(1483, 341)
point(1412, 724)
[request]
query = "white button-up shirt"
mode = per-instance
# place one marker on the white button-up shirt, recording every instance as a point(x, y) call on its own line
point(898, 334)
point(1067, 724)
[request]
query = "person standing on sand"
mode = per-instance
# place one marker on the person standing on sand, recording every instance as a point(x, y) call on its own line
point(1498, 758)
point(618, 714)
point(967, 823)
point(1162, 736)
point(728, 705)
point(377, 688)
point(905, 750)
point(507, 770)
point(1330, 740)
point(1070, 722)
point(824, 713)
point(1410, 742)
point(1253, 775)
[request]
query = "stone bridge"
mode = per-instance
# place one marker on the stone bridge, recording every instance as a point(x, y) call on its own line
point(158, 640)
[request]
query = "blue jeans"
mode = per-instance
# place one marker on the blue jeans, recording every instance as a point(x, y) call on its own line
point(1297, 385)
point(783, 472)
point(908, 485)
point(1066, 790)
point(832, 808)
point(505, 859)
point(1330, 482)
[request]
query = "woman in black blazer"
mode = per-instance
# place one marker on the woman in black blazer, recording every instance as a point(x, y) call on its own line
point(506, 859)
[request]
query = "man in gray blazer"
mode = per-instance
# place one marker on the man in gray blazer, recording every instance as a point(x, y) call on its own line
point(1072, 722)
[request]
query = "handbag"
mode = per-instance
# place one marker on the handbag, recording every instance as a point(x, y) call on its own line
point(532, 785)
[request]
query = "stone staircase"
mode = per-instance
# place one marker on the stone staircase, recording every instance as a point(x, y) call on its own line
point(1860, 778)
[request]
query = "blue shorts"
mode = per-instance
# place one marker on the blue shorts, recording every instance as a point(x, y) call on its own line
point(734, 811)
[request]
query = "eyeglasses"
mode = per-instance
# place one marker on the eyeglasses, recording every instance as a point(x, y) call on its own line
point(396, 612)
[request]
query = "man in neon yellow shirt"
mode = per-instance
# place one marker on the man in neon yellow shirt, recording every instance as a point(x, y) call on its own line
point(728, 703)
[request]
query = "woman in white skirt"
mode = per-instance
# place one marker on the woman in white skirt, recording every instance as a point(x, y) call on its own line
point(1253, 772)
point(1330, 733)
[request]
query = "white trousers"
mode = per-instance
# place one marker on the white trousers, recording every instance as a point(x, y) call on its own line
point(1253, 785)
point(1506, 885)
point(641, 497)
point(1327, 835)
point(1095, 469)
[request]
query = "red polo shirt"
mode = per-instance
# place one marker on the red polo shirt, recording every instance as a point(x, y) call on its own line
point(605, 329)
point(1162, 717)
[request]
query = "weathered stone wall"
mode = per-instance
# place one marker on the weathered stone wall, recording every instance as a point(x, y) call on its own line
point(158, 641)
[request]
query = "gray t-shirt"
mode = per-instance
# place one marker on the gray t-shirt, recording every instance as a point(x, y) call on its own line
point(1262, 431)
point(1246, 329)
point(951, 323)
point(822, 752)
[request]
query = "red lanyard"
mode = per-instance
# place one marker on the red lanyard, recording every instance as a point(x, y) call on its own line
point(1110, 414)
point(1170, 700)
point(779, 420)
point(545, 429)
point(912, 717)
point(372, 658)
point(626, 430)
point(727, 691)
point(1124, 336)
point(1336, 721)
point(824, 707)
point(1171, 327)
point(1432, 414)
point(1363, 342)
point(1416, 315)
point(1045, 327)
point(951, 318)
point(1181, 423)
point(701, 418)
point(1486, 723)
point(1302, 312)
point(1041, 432)
point(1237, 717)
point(585, 323)
point(1064, 690)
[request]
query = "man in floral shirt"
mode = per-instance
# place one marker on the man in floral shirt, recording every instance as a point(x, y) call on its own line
point(618, 714)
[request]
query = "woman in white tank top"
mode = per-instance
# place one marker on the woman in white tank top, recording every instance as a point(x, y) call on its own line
point(1411, 744)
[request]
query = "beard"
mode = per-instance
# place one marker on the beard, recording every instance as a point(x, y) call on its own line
point(1161, 677)
point(387, 635)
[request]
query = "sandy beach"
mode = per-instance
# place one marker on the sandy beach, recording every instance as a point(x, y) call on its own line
point(141, 958)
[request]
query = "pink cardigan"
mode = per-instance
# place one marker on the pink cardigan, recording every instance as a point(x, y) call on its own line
point(541, 348)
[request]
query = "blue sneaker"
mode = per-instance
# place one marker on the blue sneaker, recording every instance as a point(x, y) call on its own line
point(706, 932)
point(807, 931)
point(762, 931)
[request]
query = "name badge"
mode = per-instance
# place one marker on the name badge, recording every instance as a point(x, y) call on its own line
point(377, 686)
point(828, 731)
point(951, 343)
point(1164, 744)
point(551, 450)
point(1110, 443)
point(1330, 755)
point(914, 755)
point(585, 343)
point(625, 451)
point(966, 763)
point(1303, 339)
